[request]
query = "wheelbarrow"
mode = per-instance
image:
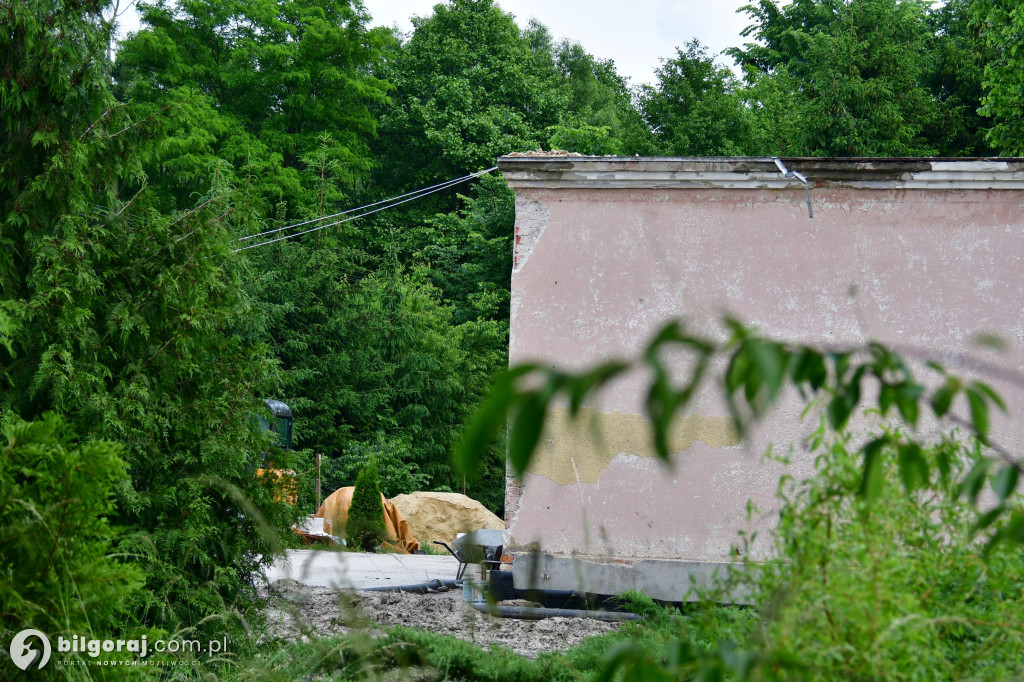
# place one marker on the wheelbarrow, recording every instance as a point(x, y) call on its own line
point(478, 547)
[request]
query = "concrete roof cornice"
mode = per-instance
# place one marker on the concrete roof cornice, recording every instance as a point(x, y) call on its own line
point(562, 171)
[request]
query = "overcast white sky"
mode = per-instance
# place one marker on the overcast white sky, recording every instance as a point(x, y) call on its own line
point(634, 33)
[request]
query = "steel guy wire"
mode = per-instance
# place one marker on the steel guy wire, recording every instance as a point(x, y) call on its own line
point(418, 193)
point(424, 191)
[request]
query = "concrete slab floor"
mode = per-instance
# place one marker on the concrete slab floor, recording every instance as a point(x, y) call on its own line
point(359, 571)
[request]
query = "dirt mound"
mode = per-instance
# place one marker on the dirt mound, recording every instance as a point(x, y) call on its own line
point(440, 516)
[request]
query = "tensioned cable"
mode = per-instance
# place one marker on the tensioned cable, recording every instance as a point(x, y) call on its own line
point(440, 185)
point(450, 183)
point(419, 192)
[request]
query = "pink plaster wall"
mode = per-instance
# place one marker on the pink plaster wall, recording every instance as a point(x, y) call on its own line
point(598, 270)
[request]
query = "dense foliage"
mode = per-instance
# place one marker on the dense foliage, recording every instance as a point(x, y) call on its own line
point(897, 587)
point(125, 318)
point(851, 75)
point(136, 333)
point(55, 496)
point(1001, 27)
point(696, 110)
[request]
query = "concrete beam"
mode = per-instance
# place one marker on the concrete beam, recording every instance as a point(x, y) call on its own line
point(672, 581)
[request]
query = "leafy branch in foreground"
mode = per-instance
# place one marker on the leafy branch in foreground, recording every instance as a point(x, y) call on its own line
point(757, 369)
point(885, 551)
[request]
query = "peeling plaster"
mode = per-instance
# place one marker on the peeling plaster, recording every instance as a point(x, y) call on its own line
point(594, 439)
point(531, 219)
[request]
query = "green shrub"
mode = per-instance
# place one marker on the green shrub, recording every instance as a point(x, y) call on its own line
point(397, 474)
point(899, 588)
point(365, 527)
point(56, 572)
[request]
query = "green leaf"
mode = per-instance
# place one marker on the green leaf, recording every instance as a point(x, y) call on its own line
point(1004, 483)
point(907, 395)
point(770, 363)
point(841, 362)
point(738, 370)
point(873, 475)
point(913, 466)
point(489, 418)
point(944, 461)
point(670, 333)
point(481, 430)
point(1014, 529)
point(661, 406)
point(970, 487)
point(992, 396)
point(886, 398)
point(979, 412)
point(845, 401)
point(583, 386)
point(838, 411)
point(943, 398)
point(988, 518)
point(815, 371)
point(526, 429)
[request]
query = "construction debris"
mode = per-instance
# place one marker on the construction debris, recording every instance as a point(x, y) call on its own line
point(541, 152)
point(296, 611)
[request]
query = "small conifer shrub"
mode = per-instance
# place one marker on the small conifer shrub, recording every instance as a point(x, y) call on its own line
point(365, 527)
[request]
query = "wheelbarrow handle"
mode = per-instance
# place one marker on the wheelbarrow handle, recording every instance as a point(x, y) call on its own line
point(448, 547)
point(462, 564)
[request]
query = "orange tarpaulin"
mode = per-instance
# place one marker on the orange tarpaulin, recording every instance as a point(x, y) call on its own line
point(334, 512)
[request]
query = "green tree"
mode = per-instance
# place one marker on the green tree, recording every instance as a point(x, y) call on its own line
point(365, 526)
point(468, 89)
point(367, 356)
point(126, 316)
point(272, 84)
point(397, 475)
point(1001, 23)
point(955, 76)
point(599, 116)
point(694, 109)
point(853, 73)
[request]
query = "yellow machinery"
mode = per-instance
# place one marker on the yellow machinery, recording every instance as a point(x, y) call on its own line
point(278, 422)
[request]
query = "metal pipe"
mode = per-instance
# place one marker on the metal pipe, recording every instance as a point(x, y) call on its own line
point(520, 612)
point(418, 588)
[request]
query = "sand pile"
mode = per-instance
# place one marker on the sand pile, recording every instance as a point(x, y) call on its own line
point(440, 516)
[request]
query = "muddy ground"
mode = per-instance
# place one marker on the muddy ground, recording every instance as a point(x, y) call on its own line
point(297, 611)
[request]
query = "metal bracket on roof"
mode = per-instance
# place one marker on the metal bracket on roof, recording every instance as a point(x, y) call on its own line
point(799, 176)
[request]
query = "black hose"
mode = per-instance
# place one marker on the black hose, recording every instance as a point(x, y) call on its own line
point(520, 612)
point(533, 613)
point(419, 588)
